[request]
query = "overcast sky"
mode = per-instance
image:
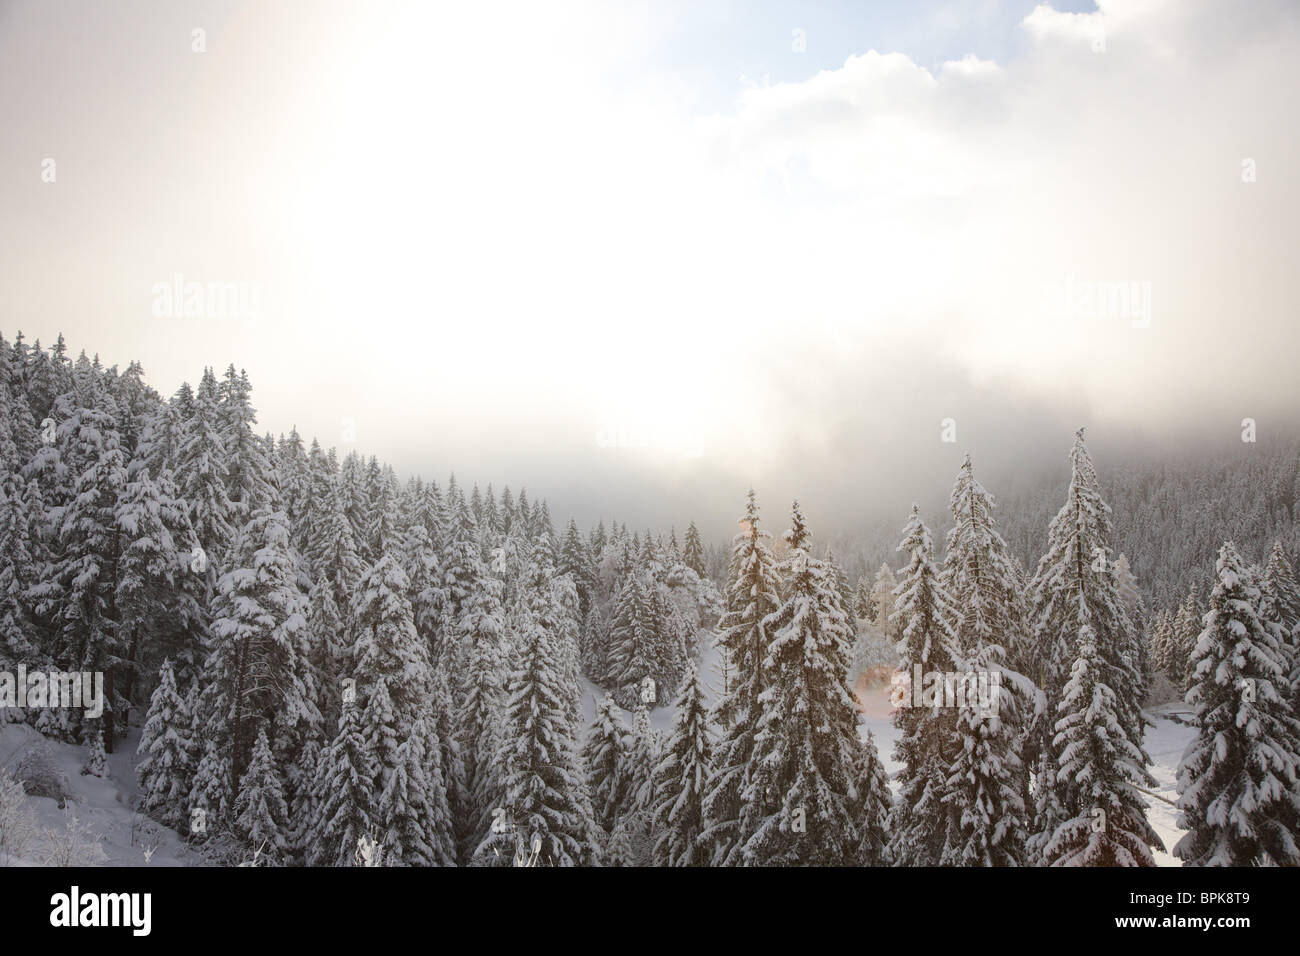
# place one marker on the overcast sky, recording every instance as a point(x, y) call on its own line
point(639, 256)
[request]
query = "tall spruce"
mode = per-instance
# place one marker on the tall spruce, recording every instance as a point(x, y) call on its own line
point(927, 743)
point(754, 593)
point(1239, 780)
point(799, 802)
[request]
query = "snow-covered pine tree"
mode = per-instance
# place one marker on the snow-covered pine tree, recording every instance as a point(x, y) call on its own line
point(261, 816)
point(1162, 629)
point(633, 638)
point(693, 551)
point(1126, 586)
point(873, 805)
point(681, 779)
point(248, 469)
point(77, 588)
point(1075, 583)
point(166, 772)
point(1098, 774)
point(1187, 631)
point(1075, 586)
point(620, 849)
point(980, 575)
point(18, 572)
point(1282, 604)
point(391, 668)
point(487, 647)
point(603, 757)
point(1239, 780)
point(927, 745)
point(344, 793)
point(641, 754)
point(412, 808)
point(211, 792)
point(544, 791)
point(153, 612)
point(201, 474)
point(754, 593)
point(798, 804)
point(254, 668)
point(988, 782)
point(444, 731)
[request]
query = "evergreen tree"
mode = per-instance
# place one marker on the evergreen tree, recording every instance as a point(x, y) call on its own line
point(681, 780)
point(693, 551)
point(1282, 607)
point(1187, 629)
point(927, 745)
point(799, 800)
point(167, 769)
point(211, 792)
point(248, 469)
point(1100, 819)
point(987, 783)
point(391, 669)
point(874, 804)
point(261, 816)
point(78, 586)
point(1239, 780)
point(754, 593)
point(254, 671)
point(155, 609)
point(201, 474)
point(545, 794)
point(1075, 587)
point(343, 789)
point(604, 757)
point(412, 808)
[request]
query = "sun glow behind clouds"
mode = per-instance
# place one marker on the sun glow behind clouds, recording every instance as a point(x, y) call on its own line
point(527, 203)
point(541, 233)
point(500, 228)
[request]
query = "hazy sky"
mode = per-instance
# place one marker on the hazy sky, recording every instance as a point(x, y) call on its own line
point(767, 243)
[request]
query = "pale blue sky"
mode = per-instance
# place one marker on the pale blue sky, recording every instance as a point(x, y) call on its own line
point(714, 43)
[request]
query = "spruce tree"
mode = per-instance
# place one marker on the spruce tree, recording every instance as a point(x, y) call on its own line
point(261, 816)
point(927, 745)
point(1239, 780)
point(344, 793)
point(754, 593)
point(987, 782)
point(604, 757)
point(1075, 587)
point(166, 771)
point(1100, 814)
point(799, 801)
point(255, 669)
point(412, 808)
point(544, 791)
point(693, 551)
point(874, 804)
point(681, 780)
point(1282, 607)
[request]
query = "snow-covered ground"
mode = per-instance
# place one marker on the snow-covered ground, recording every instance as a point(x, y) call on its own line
point(102, 804)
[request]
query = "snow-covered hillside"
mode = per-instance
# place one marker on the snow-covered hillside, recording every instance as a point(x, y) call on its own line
point(102, 806)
